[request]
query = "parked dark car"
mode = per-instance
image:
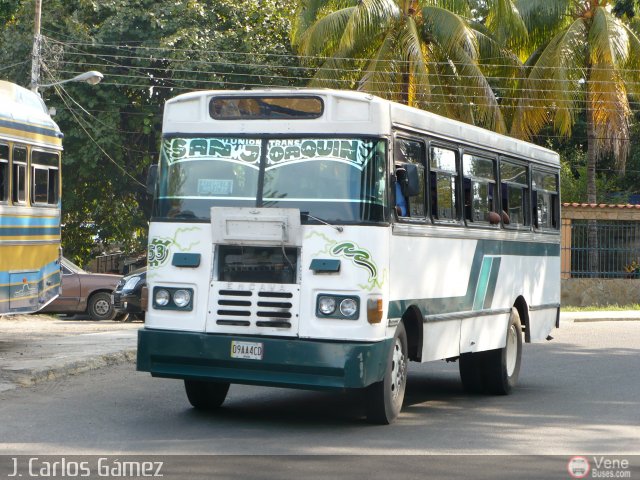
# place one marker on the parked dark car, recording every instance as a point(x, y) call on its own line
point(128, 293)
point(84, 292)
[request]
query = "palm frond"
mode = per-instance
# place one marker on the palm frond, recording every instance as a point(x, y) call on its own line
point(608, 39)
point(448, 30)
point(551, 90)
point(411, 43)
point(326, 33)
point(381, 76)
point(458, 7)
point(369, 19)
point(611, 111)
point(506, 24)
point(630, 71)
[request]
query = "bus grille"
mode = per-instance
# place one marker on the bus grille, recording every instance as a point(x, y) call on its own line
point(244, 306)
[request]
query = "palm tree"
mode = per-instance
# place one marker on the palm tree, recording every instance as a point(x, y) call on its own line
point(588, 61)
point(422, 53)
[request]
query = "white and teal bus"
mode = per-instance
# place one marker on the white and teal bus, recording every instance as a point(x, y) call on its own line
point(322, 239)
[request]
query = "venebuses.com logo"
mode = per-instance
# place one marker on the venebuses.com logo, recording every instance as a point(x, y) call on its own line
point(599, 467)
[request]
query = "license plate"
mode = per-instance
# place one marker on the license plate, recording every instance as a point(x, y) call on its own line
point(247, 350)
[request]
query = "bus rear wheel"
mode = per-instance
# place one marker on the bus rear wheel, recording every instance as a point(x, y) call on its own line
point(502, 366)
point(384, 398)
point(206, 395)
point(470, 365)
point(494, 371)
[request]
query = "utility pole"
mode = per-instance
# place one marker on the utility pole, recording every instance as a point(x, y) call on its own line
point(35, 54)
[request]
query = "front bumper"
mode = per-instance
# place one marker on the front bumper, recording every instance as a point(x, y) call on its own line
point(290, 362)
point(127, 303)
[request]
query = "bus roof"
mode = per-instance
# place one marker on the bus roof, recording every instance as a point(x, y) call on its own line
point(24, 117)
point(345, 112)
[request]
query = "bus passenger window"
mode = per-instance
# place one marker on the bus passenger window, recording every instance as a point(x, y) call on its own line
point(409, 152)
point(515, 194)
point(479, 190)
point(546, 201)
point(19, 175)
point(44, 178)
point(443, 173)
point(4, 173)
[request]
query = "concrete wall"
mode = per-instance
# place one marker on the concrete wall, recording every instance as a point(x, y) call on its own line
point(582, 292)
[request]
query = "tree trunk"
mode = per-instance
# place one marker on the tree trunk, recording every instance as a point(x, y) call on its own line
point(592, 160)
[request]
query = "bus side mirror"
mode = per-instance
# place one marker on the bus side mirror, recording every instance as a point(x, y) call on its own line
point(152, 177)
point(412, 185)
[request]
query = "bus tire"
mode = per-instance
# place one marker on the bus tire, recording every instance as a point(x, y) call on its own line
point(502, 366)
point(470, 365)
point(384, 398)
point(206, 395)
point(100, 307)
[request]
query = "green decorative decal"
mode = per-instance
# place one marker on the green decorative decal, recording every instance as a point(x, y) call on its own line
point(359, 256)
point(160, 248)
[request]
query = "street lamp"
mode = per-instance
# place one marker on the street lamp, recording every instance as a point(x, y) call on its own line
point(92, 77)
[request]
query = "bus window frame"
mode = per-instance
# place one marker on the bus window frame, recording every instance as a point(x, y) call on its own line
point(392, 160)
point(494, 158)
point(13, 164)
point(48, 168)
point(457, 191)
point(555, 206)
point(6, 162)
point(528, 198)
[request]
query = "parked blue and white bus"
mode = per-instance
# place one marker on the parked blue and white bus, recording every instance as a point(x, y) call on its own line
point(30, 149)
point(322, 239)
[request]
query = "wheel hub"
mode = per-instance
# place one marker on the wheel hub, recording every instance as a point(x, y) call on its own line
point(102, 307)
point(398, 369)
point(512, 350)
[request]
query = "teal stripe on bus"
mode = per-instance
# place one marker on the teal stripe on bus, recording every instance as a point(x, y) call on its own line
point(28, 231)
point(484, 248)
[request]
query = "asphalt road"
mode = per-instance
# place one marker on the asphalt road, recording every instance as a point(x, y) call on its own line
point(579, 394)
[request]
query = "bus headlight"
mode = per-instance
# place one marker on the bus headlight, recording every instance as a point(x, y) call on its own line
point(340, 307)
point(169, 298)
point(326, 305)
point(181, 298)
point(162, 297)
point(348, 307)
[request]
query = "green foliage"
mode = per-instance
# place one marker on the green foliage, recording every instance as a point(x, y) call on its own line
point(149, 51)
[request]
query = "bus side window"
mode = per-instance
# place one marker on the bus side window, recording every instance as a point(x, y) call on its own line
point(479, 190)
point(546, 200)
point(19, 175)
point(514, 186)
point(44, 178)
point(443, 172)
point(4, 173)
point(409, 152)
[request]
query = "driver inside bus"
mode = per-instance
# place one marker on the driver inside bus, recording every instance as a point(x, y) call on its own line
point(402, 209)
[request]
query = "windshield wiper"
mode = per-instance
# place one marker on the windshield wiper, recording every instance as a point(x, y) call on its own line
point(307, 215)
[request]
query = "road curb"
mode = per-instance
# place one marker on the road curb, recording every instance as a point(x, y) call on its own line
point(12, 379)
point(604, 320)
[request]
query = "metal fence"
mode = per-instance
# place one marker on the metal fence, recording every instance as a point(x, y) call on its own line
point(616, 254)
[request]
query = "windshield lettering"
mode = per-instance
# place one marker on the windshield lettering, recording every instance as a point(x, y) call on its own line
point(355, 152)
point(238, 149)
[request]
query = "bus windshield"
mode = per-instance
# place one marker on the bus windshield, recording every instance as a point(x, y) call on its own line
point(339, 180)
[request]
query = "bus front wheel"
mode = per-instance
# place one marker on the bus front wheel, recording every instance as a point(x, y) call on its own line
point(384, 398)
point(206, 395)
